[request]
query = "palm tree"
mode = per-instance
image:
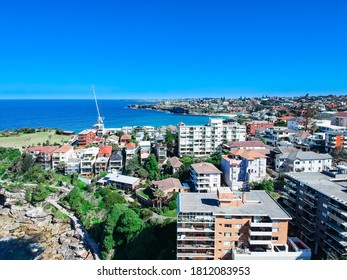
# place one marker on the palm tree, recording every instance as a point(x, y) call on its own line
point(159, 194)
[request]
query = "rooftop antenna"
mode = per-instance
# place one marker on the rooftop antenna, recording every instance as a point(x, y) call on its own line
point(100, 119)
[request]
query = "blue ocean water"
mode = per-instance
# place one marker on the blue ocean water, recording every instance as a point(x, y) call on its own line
point(77, 115)
point(26, 248)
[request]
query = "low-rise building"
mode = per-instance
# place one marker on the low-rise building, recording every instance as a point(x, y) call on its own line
point(130, 150)
point(86, 137)
point(42, 155)
point(317, 202)
point(210, 226)
point(145, 151)
point(252, 126)
point(339, 119)
point(336, 140)
point(113, 139)
point(122, 182)
point(245, 145)
point(87, 161)
point(205, 177)
point(116, 162)
point(61, 156)
point(175, 164)
point(276, 134)
point(243, 167)
point(296, 123)
point(124, 139)
point(300, 161)
point(72, 165)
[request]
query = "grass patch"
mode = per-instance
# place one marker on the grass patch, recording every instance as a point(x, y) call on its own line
point(25, 140)
point(170, 213)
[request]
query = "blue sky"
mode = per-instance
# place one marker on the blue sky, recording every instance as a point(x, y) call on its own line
point(172, 48)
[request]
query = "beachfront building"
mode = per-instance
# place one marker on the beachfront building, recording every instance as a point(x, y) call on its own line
point(202, 141)
point(86, 137)
point(61, 156)
point(300, 161)
point(124, 139)
point(317, 201)
point(42, 155)
point(227, 225)
point(252, 126)
point(122, 182)
point(116, 162)
point(88, 160)
point(72, 165)
point(205, 177)
point(242, 167)
point(130, 150)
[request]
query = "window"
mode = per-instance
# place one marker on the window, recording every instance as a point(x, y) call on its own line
point(275, 229)
point(275, 238)
point(227, 234)
point(227, 217)
point(325, 206)
point(228, 225)
point(227, 242)
point(237, 234)
point(238, 226)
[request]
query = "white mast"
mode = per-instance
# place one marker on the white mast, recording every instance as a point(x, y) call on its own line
point(100, 120)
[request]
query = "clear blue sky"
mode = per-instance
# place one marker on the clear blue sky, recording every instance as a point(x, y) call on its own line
point(172, 48)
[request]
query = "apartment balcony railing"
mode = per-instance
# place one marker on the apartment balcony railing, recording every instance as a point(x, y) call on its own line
point(337, 219)
point(195, 246)
point(310, 221)
point(308, 228)
point(339, 239)
point(263, 241)
point(195, 254)
point(196, 237)
point(195, 229)
point(260, 224)
point(337, 228)
point(333, 246)
point(260, 232)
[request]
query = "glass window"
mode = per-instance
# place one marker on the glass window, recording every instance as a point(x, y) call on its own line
point(275, 229)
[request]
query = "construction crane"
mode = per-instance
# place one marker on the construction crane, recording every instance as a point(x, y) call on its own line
point(100, 119)
point(99, 127)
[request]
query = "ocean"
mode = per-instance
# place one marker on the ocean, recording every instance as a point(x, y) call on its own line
point(76, 115)
point(27, 248)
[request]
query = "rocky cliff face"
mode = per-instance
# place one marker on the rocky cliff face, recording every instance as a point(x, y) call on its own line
point(59, 238)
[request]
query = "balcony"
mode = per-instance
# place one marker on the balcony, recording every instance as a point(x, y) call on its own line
point(312, 196)
point(290, 204)
point(337, 228)
point(195, 229)
point(196, 238)
point(260, 231)
point(340, 251)
point(289, 190)
point(337, 219)
point(209, 255)
point(259, 241)
point(339, 239)
point(289, 197)
point(195, 246)
point(312, 204)
point(260, 224)
point(311, 222)
point(310, 229)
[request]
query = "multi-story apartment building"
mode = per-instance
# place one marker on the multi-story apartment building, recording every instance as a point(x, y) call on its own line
point(86, 137)
point(101, 164)
point(274, 135)
point(87, 161)
point(252, 126)
point(296, 123)
point(242, 167)
point(205, 177)
point(300, 161)
point(335, 140)
point(246, 145)
point(206, 140)
point(42, 155)
point(339, 119)
point(130, 150)
point(61, 155)
point(318, 204)
point(116, 162)
point(160, 148)
point(72, 165)
point(214, 226)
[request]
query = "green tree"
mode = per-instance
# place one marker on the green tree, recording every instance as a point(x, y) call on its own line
point(159, 194)
point(152, 167)
point(266, 185)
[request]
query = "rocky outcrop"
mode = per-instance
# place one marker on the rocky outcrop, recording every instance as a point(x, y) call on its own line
point(60, 240)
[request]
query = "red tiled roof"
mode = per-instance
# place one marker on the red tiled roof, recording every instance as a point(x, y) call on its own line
point(286, 118)
point(64, 149)
point(205, 168)
point(167, 184)
point(105, 150)
point(175, 162)
point(248, 154)
point(131, 145)
point(42, 149)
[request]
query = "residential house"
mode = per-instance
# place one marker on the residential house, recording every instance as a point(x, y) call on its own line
point(205, 177)
point(145, 151)
point(116, 162)
point(301, 161)
point(113, 139)
point(242, 167)
point(125, 139)
point(175, 164)
point(233, 225)
point(160, 148)
point(245, 145)
point(130, 150)
point(122, 182)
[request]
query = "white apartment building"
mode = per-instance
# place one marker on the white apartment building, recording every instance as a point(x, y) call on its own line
point(339, 119)
point(205, 177)
point(145, 150)
point(242, 167)
point(296, 123)
point(206, 140)
point(276, 134)
point(87, 161)
point(300, 161)
point(63, 154)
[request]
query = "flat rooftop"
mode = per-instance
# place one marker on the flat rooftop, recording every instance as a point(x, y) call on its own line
point(258, 203)
point(323, 184)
